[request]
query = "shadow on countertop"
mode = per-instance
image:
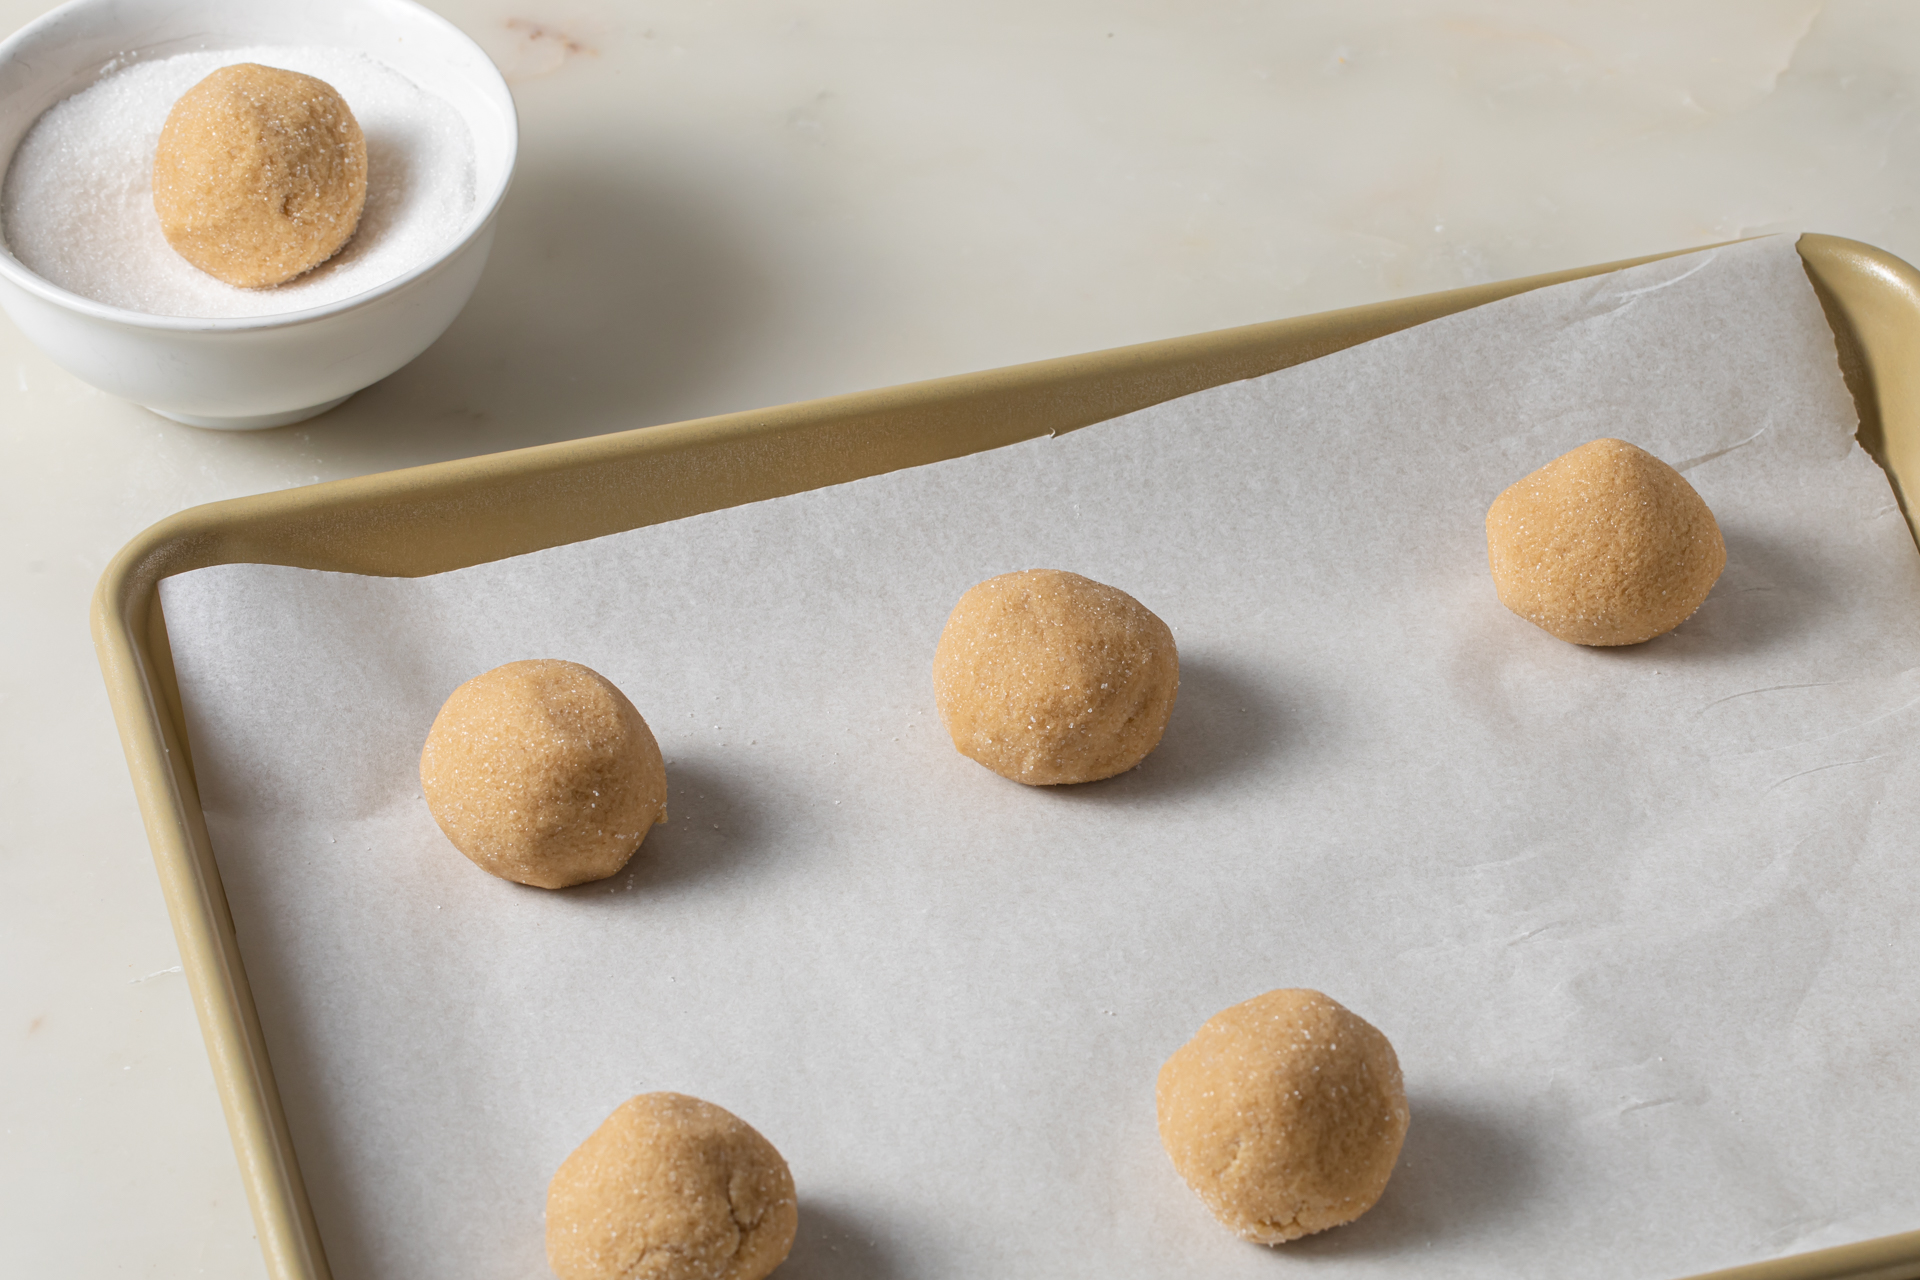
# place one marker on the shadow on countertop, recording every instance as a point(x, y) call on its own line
point(609, 301)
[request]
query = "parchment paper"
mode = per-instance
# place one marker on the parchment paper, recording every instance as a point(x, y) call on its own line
point(1639, 921)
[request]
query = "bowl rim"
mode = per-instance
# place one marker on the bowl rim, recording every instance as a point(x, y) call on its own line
point(486, 205)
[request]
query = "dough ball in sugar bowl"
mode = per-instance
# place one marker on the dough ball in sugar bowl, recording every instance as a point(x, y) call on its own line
point(1046, 677)
point(1606, 545)
point(260, 175)
point(670, 1188)
point(542, 772)
point(1284, 1114)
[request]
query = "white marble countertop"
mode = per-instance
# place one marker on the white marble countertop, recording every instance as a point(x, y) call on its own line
point(720, 207)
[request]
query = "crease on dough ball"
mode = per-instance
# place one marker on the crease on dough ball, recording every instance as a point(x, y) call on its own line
point(543, 772)
point(671, 1188)
point(1605, 545)
point(1285, 1115)
point(1046, 677)
point(260, 174)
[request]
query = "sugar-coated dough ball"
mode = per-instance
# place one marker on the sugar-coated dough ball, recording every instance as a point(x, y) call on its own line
point(1048, 677)
point(1285, 1115)
point(543, 772)
point(670, 1188)
point(1605, 545)
point(260, 175)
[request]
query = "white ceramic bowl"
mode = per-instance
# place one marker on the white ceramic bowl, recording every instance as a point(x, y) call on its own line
point(255, 371)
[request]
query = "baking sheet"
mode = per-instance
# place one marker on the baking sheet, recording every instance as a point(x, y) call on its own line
point(1636, 920)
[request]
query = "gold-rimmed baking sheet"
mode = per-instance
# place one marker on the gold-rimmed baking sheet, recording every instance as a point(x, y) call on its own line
point(1582, 889)
point(830, 1215)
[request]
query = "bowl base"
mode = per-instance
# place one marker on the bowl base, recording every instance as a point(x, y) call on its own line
point(258, 422)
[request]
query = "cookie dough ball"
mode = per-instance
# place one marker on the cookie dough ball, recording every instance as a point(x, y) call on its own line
point(1284, 1114)
point(543, 772)
point(670, 1188)
point(1605, 545)
point(260, 174)
point(1047, 677)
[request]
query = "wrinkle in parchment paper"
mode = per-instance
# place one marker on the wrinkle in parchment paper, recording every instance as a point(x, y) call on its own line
point(1637, 921)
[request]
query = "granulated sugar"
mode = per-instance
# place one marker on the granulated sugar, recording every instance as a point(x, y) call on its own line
point(77, 205)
